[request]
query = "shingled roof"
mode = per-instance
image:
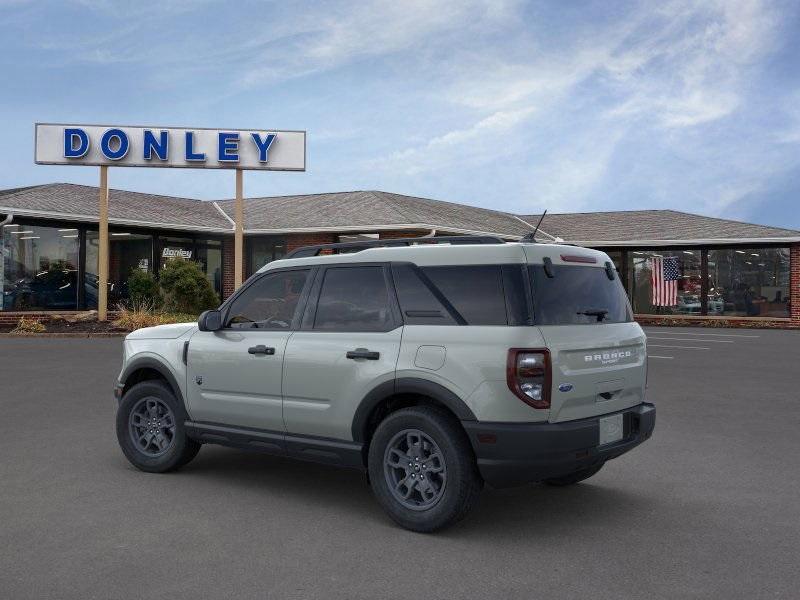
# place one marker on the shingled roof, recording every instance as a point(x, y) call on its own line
point(365, 210)
point(79, 203)
point(635, 227)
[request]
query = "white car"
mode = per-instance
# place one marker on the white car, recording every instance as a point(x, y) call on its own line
point(433, 365)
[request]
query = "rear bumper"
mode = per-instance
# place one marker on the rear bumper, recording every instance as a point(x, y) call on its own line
point(515, 453)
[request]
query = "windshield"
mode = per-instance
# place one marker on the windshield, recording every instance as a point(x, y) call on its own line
point(578, 295)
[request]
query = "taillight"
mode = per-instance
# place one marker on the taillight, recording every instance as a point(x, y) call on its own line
point(529, 377)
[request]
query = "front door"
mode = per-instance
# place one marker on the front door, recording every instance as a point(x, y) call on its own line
point(348, 344)
point(234, 375)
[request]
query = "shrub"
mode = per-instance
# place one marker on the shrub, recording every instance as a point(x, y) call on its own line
point(143, 288)
point(140, 315)
point(28, 325)
point(185, 288)
point(137, 316)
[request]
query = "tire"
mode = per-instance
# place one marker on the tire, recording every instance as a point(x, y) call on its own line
point(574, 477)
point(453, 483)
point(168, 448)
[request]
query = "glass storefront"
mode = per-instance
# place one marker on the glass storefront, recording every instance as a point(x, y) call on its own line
point(39, 268)
point(749, 282)
point(262, 250)
point(48, 268)
point(208, 253)
point(127, 252)
point(666, 282)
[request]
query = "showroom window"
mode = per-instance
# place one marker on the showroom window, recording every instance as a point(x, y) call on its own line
point(209, 255)
point(206, 252)
point(749, 282)
point(39, 268)
point(263, 250)
point(128, 252)
point(666, 281)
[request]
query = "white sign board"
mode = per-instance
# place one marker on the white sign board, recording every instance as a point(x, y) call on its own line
point(189, 148)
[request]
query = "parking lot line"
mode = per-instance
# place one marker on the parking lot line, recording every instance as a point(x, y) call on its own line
point(671, 339)
point(736, 335)
point(689, 347)
point(655, 356)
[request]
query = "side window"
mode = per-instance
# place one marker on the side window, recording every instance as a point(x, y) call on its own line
point(476, 292)
point(269, 303)
point(417, 302)
point(353, 299)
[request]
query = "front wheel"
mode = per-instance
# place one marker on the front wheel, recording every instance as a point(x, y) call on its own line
point(150, 428)
point(422, 469)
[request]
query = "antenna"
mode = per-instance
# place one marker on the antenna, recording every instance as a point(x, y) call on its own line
point(531, 237)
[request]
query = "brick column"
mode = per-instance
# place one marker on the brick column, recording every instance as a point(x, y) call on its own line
point(228, 266)
point(293, 242)
point(794, 283)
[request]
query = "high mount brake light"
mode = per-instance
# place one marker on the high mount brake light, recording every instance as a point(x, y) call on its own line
point(579, 259)
point(529, 375)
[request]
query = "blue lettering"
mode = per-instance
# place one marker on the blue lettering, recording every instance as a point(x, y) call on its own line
point(159, 146)
point(190, 153)
point(263, 145)
point(70, 137)
point(122, 144)
point(228, 142)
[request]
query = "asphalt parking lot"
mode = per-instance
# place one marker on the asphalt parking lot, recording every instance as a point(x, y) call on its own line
point(708, 508)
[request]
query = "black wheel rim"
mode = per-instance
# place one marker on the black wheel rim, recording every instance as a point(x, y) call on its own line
point(152, 426)
point(415, 470)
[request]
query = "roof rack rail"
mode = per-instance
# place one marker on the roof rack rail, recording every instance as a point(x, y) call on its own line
point(307, 251)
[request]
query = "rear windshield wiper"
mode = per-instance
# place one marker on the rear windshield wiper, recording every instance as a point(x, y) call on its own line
point(600, 313)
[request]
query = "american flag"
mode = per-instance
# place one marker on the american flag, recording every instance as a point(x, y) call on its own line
point(664, 279)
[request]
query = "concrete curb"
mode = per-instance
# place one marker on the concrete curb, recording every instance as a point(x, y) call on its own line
point(63, 335)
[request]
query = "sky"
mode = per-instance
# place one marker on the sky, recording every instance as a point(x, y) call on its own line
point(565, 105)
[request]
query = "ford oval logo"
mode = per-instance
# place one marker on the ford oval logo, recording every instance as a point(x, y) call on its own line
point(565, 387)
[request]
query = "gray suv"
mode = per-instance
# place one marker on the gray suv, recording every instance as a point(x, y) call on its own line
point(435, 365)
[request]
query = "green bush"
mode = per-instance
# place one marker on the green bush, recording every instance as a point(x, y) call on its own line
point(185, 287)
point(143, 289)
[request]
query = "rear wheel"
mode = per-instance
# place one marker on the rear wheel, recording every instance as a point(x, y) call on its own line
point(422, 469)
point(574, 477)
point(150, 428)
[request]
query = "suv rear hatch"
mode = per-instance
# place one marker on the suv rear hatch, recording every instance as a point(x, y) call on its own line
point(597, 352)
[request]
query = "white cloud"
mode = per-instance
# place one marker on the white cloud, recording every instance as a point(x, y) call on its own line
point(465, 146)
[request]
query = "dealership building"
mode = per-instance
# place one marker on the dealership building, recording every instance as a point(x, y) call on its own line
point(726, 270)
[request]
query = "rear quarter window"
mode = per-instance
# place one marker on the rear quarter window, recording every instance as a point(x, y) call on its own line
point(578, 295)
point(476, 292)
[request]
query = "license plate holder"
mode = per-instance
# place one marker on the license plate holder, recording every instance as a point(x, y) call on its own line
point(611, 429)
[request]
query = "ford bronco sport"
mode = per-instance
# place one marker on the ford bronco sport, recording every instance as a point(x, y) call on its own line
point(434, 365)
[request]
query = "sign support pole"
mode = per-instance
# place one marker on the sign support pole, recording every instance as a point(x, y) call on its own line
point(238, 254)
point(102, 257)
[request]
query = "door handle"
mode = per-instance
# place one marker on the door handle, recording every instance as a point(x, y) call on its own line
point(260, 349)
point(363, 353)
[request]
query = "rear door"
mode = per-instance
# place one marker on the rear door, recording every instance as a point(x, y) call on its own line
point(597, 351)
point(348, 344)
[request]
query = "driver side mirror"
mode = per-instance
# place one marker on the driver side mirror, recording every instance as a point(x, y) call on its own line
point(210, 320)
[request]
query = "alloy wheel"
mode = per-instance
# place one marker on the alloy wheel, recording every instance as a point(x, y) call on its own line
point(152, 426)
point(415, 470)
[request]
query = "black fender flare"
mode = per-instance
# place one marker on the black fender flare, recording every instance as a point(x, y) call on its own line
point(407, 385)
point(148, 362)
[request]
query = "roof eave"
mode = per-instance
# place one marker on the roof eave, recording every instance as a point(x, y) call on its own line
point(687, 242)
point(111, 220)
point(388, 227)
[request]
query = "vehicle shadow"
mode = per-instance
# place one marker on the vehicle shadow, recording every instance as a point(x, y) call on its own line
point(507, 512)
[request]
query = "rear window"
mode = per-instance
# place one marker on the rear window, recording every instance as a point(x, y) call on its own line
point(578, 295)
